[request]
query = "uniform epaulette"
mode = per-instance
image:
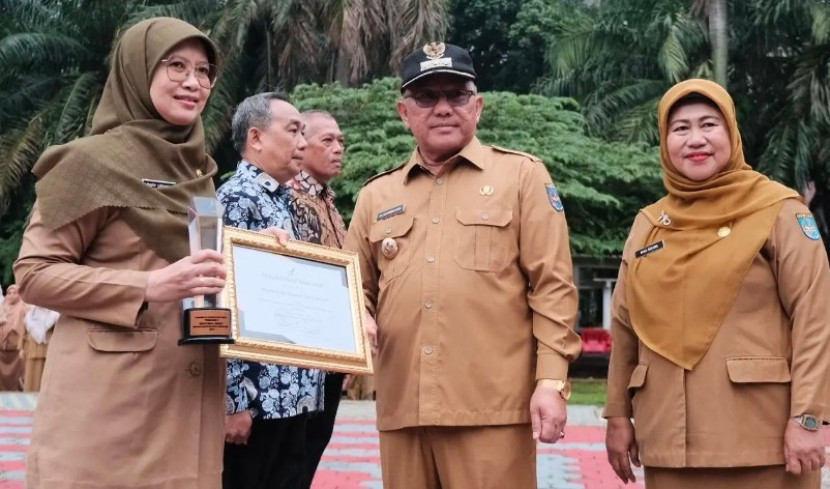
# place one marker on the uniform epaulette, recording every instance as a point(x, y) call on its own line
point(387, 172)
point(515, 152)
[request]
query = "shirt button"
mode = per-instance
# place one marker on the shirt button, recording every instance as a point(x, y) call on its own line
point(439, 181)
point(485, 217)
point(195, 370)
point(428, 304)
point(430, 259)
point(428, 350)
point(435, 220)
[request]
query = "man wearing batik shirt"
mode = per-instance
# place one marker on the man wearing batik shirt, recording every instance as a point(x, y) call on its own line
point(317, 220)
point(267, 405)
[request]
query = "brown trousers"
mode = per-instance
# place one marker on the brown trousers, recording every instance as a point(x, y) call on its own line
point(459, 457)
point(765, 477)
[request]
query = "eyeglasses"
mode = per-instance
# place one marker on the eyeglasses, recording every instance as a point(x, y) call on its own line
point(430, 98)
point(179, 69)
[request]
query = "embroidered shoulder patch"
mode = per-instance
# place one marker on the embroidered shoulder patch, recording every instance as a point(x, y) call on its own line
point(553, 196)
point(808, 225)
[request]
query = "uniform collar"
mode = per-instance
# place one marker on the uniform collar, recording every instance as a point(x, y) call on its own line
point(266, 181)
point(306, 183)
point(473, 153)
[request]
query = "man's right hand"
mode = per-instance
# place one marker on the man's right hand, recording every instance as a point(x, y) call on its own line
point(238, 427)
point(622, 448)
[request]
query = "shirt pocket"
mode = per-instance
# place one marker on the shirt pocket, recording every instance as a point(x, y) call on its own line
point(121, 341)
point(397, 229)
point(483, 238)
point(758, 370)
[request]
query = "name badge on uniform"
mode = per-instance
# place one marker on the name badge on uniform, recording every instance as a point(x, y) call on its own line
point(398, 209)
point(152, 183)
point(650, 249)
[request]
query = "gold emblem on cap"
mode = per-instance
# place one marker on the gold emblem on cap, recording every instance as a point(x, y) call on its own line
point(389, 247)
point(724, 232)
point(434, 50)
point(486, 190)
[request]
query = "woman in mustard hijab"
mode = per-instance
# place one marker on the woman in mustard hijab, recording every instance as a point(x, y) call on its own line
point(121, 404)
point(721, 318)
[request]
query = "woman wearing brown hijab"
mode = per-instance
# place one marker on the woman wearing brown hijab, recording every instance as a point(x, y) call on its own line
point(122, 405)
point(721, 318)
point(12, 312)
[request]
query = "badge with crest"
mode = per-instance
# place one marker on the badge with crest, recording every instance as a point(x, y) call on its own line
point(809, 226)
point(434, 50)
point(553, 196)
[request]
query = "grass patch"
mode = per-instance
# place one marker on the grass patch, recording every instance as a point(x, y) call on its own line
point(591, 392)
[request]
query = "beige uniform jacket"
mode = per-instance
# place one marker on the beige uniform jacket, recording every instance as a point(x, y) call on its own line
point(478, 300)
point(769, 361)
point(121, 404)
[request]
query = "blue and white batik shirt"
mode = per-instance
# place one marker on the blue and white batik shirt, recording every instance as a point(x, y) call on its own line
point(253, 200)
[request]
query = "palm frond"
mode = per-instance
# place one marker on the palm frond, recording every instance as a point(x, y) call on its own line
point(672, 57)
point(44, 50)
point(71, 121)
point(19, 149)
point(820, 13)
point(413, 24)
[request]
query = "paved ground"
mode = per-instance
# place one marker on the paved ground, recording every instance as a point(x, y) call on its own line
point(352, 460)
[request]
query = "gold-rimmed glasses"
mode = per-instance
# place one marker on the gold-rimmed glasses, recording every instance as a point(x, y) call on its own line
point(178, 69)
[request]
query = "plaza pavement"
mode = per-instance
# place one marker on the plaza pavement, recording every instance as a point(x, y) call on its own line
point(352, 460)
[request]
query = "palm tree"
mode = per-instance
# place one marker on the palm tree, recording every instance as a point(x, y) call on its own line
point(716, 13)
point(618, 58)
point(797, 151)
point(53, 56)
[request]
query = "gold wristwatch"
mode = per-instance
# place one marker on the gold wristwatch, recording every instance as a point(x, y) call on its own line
point(563, 386)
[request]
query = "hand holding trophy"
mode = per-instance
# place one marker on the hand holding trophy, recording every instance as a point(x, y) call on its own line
point(204, 321)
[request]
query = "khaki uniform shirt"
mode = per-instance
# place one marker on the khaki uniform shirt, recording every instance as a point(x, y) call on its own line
point(474, 297)
point(121, 404)
point(769, 361)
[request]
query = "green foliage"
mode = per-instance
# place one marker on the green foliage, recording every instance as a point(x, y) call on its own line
point(507, 38)
point(617, 59)
point(588, 392)
point(603, 184)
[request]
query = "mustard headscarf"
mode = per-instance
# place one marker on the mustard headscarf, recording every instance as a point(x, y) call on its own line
point(130, 142)
point(679, 296)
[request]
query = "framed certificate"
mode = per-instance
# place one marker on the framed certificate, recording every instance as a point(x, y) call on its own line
point(297, 305)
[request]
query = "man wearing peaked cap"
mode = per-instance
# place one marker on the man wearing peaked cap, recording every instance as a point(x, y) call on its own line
point(467, 271)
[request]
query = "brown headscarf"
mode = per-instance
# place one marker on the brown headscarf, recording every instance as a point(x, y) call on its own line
point(130, 142)
point(679, 296)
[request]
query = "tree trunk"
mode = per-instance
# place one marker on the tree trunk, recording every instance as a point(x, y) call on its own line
point(719, 39)
point(343, 69)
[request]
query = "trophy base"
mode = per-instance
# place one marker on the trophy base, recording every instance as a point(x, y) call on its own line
point(207, 340)
point(206, 326)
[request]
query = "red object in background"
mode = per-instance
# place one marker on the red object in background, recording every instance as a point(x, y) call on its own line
point(595, 340)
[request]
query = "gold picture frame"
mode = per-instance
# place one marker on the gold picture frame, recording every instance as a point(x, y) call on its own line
point(299, 305)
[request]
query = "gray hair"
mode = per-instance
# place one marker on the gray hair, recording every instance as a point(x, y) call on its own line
point(309, 114)
point(254, 111)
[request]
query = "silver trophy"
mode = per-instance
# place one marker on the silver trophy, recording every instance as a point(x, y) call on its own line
point(204, 321)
